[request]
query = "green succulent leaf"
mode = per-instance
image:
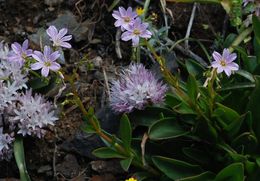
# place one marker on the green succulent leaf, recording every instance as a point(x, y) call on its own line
point(192, 88)
point(149, 115)
point(106, 152)
point(20, 159)
point(176, 169)
point(125, 131)
point(233, 172)
point(125, 164)
point(205, 176)
point(166, 128)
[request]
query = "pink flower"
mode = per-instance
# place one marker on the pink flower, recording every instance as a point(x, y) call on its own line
point(46, 61)
point(58, 37)
point(19, 52)
point(225, 62)
point(124, 17)
point(136, 31)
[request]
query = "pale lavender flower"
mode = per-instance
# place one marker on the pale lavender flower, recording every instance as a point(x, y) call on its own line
point(225, 62)
point(124, 17)
point(33, 114)
point(8, 92)
point(136, 31)
point(19, 52)
point(136, 88)
point(5, 145)
point(11, 71)
point(46, 61)
point(58, 37)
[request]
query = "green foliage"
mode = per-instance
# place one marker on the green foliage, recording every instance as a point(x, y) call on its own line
point(175, 169)
point(166, 128)
point(20, 159)
point(208, 128)
point(125, 131)
point(233, 172)
point(106, 152)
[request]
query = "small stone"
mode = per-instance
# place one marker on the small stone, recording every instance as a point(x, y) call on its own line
point(44, 169)
point(52, 2)
point(84, 144)
point(69, 167)
point(110, 166)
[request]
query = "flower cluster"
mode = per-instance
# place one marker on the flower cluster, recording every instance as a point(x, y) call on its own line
point(45, 61)
point(256, 6)
point(22, 112)
point(32, 113)
point(224, 62)
point(133, 26)
point(136, 88)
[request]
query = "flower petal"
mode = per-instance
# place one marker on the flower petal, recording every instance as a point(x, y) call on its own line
point(36, 66)
point(52, 31)
point(65, 45)
point(16, 47)
point(122, 11)
point(36, 57)
point(54, 56)
point(116, 15)
point(227, 71)
point(25, 45)
point(126, 36)
point(217, 56)
point(62, 32)
point(231, 57)
point(45, 71)
point(47, 51)
point(233, 66)
point(219, 69)
point(55, 66)
point(135, 40)
point(66, 38)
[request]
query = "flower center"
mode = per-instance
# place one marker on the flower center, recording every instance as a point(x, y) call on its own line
point(24, 55)
point(137, 32)
point(47, 64)
point(223, 63)
point(127, 19)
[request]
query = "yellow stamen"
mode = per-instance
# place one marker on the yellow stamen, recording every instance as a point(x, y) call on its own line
point(127, 19)
point(139, 11)
point(223, 63)
point(47, 64)
point(137, 32)
point(131, 179)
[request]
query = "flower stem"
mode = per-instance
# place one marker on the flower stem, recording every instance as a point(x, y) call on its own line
point(20, 159)
point(103, 135)
point(92, 122)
